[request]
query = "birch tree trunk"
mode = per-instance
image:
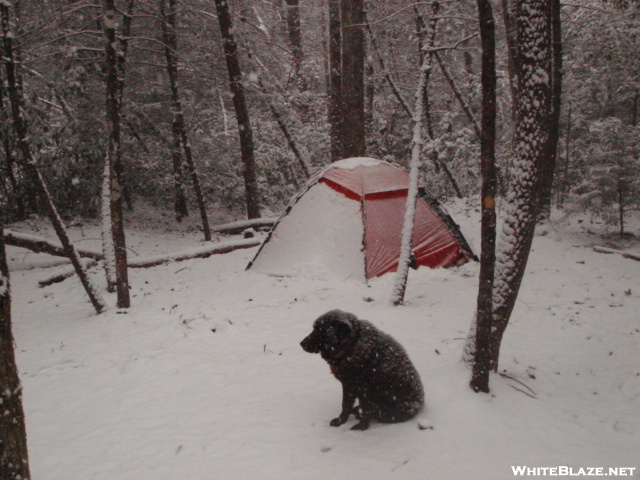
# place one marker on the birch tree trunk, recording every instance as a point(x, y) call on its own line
point(108, 249)
point(14, 458)
point(404, 260)
point(114, 155)
point(240, 105)
point(20, 127)
point(481, 338)
point(106, 236)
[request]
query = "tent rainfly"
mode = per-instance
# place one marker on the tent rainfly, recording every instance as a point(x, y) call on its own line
point(346, 222)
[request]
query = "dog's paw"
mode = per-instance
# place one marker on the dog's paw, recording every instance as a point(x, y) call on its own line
point(363, 425)
point(336, 422)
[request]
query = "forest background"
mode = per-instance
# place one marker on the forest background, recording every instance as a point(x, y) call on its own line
point(175, 50)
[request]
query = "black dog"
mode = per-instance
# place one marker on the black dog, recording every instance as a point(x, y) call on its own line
point(371, 366)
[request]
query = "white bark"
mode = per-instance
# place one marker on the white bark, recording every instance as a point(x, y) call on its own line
point(108, 250)
point(400, 284)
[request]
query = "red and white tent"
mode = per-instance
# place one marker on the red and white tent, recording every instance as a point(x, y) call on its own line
point(347, 220)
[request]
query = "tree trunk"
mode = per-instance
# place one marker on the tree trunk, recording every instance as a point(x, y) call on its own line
point(295, 38)
point(180, 200)
point(533, 103)
point(108, 251)
point(179, 127)
point(564, 186)
point(20, 127)
point(114, 155)
point(14, 458)
point(240, 105)
point(335, 81)
point(124, 48)
point(484, 310)
point(370, 96)
point(353, 53)
point(8, 155)
point(325, 49)
point(404, 259)
point(549, 165)
point(168, 21)
point(512, 52)
point(108, 247)
point(621, 203)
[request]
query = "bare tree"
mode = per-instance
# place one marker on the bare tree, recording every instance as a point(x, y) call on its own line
point(353, 53)
point(533, 70)
point(242, 113)
point(533, 103)
point(114, 155)
point(14, 458)
point(548, 167)
point(106, 204)
point(346, 77)
point(336, 115)
point(29, 164)
point(179, 129)
point(295, 39)
point(417, 144)
point(484, 311)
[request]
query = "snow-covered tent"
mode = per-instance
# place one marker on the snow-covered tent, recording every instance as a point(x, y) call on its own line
point(346, 222)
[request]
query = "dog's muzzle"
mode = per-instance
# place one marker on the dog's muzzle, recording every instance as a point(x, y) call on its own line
point(310, 345)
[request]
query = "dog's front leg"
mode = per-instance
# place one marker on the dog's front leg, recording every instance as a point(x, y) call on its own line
point(366, 414)
point(348, 400)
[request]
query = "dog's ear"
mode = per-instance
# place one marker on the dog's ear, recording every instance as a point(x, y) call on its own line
point(343, 327)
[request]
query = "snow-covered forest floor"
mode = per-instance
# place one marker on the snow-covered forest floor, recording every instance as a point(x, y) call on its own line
point(204, 378)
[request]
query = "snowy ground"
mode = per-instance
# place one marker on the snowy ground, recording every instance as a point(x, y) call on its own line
point(204, 378)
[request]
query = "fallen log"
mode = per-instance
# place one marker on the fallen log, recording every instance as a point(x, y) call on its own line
point(65, 272)
point(607, 250)
point(155, 260)
point(241, 225)
point(42, 245)
point(201, 252)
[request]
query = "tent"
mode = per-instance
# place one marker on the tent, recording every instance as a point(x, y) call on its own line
point(346, 222)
